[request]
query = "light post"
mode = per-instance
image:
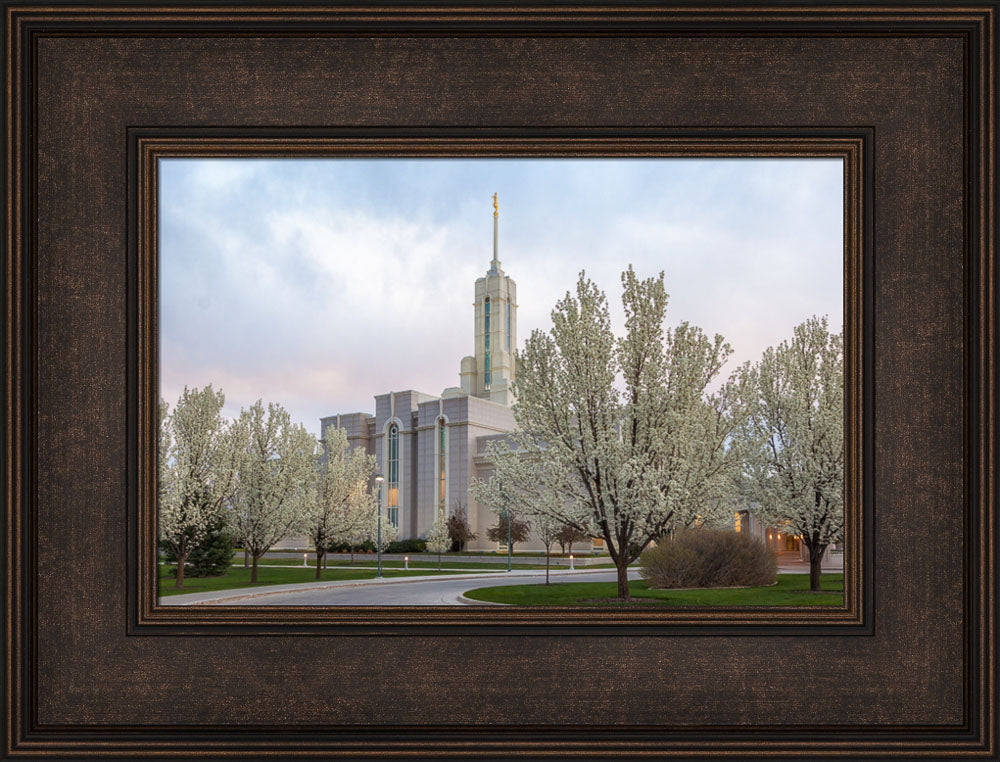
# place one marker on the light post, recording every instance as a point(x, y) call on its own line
point(506, 513)
point(378, 537)
point(509, 548)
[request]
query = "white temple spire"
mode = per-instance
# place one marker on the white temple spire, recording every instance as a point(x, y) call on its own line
point(495, 264)
point(489, 373)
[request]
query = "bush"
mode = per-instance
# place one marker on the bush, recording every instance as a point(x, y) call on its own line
point(709, 558)
point(210, 558)
point(459, 531)
point(413, 545)
point(362, 547)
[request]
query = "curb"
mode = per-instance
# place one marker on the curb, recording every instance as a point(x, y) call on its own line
point(474, 602)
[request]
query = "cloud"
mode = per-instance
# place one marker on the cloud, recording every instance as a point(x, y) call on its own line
point(318, 284)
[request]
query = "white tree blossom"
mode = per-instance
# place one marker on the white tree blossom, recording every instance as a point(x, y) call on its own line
point(530, 487)
point(438, 540)
point(792, 440)
point(359, 524)
point(624, 430)
point(198, 463)
point(341, 506)
point(388, 532)
point(275, 478)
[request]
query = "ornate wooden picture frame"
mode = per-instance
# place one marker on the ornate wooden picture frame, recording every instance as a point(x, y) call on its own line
point(903, 94)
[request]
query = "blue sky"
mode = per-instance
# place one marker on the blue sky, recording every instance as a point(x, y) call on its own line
point(320, 283)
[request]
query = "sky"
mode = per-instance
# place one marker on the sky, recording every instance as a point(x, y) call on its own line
point(318, 284)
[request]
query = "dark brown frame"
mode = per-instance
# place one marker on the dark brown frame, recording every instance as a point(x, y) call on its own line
point(920, 137)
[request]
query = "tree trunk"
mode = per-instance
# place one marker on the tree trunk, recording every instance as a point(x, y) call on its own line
point(547, 556)
point(439, 562)
point(815, 560)
point(246, 559)
point(623, 577)
point(352, 555)
point(180, 572)
point(253, 570)
point(319, 563)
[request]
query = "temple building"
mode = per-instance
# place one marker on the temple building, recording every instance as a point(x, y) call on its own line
point(430, 447)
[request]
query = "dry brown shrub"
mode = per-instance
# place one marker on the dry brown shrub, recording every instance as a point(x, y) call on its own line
point(709, 558)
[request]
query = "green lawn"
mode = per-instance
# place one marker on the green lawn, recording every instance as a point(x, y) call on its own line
point(791, 590)
point(240, 577)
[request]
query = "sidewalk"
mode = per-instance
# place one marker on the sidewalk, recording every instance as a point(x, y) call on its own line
point(371, 565)
point(538, 559)
point(794, 566)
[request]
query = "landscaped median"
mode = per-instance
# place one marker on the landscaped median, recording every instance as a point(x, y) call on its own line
point(790, 590)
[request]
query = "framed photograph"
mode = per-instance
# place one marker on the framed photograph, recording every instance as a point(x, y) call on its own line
point(356, 526)
point(520, 382)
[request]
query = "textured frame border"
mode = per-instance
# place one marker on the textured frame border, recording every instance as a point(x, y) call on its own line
point(975, 23)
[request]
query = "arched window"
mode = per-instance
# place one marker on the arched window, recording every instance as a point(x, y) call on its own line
point(442, 448)
point(488, 373)
point(392, 496)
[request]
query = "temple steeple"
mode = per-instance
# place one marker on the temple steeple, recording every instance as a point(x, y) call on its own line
point(489, 373)
point(495, 263)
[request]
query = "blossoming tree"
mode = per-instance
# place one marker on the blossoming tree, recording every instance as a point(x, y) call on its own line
point(198, 463)
point(275, 478)
point(624, 430)
point(341, 505)
point(438, 540)
point(792, 440)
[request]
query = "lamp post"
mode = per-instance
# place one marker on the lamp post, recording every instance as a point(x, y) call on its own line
point(378, 537)
point(509, 547)
point(506, 513)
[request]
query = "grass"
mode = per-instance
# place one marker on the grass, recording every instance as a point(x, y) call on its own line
point(791, 590)
point(238, 577)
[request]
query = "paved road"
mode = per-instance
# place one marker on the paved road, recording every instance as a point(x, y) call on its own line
point(440, 591)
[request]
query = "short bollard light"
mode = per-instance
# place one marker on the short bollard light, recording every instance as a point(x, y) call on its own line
point(406, 561)
point(305, 556)
point(571, 567)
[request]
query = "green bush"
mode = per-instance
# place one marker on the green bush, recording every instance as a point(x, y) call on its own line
point(709, 558)
point(413, 545)
point(210, 558)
